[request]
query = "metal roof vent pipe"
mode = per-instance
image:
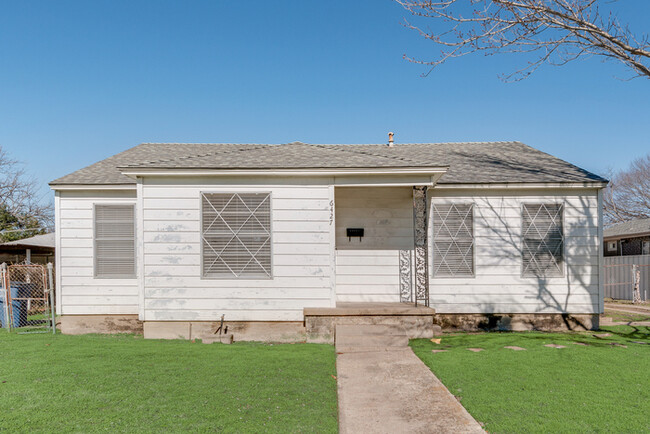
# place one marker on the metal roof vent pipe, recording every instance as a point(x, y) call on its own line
point(390, 139)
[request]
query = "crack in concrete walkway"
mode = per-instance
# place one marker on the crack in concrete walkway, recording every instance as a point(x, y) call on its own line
point(390, 390)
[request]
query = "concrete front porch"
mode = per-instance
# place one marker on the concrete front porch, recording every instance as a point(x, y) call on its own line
point(417, 321)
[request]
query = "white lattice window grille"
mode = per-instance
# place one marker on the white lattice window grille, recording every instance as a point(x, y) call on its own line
point(236, 235)
point(114, 241)
point(543, 240)
point(453, 240)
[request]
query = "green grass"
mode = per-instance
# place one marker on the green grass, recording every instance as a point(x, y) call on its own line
point(124, 383)
point(595, 388)
point(626, 316)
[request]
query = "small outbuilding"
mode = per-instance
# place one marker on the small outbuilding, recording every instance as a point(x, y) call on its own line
point(38, 249)
point(628, 238)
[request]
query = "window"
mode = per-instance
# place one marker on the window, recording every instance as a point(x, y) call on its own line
point(543, 240)
point(646, 248)
point(611, 246)
point(114, 236)
point(236, 235)
point(453, 240)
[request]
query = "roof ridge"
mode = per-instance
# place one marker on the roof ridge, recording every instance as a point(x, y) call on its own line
point(389, 157)
point(206, 143)
point(629, 222)
point(297, 142)
point(396, 145)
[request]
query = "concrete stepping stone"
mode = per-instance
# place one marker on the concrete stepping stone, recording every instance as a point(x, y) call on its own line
point(475, 350)
point(616, 344)
point(438, 351)
point(581, 343)
point(554, 346)
point(510, 347)
point(602, 335)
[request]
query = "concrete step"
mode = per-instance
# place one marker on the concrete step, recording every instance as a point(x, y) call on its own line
point(372, 340)
point(366, 337)
point(367, 349)
point(370, 329)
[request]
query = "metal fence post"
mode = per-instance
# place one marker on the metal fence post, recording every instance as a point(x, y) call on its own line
point(5, 295)
point(636, 279)
point(50, 282)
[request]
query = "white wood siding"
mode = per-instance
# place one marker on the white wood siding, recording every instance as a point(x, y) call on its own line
point(79, 292)
point(369, 270)
point(498, 286)
point(301, 249)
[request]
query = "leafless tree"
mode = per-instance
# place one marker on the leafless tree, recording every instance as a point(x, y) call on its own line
point(23, 213)
point(547, 31)
point(628, 195)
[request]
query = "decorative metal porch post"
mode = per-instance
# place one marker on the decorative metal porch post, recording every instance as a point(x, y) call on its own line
point(405, 280)
point(421, 249)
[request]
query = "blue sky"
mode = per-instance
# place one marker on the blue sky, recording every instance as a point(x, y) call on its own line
point(80, 81)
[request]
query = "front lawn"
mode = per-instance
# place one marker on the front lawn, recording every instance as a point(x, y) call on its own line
point(602, 386)
point(128, 384)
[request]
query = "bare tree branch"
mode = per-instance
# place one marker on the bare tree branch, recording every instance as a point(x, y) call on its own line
point(628, 195)
point(22, 212)
point(555, 32)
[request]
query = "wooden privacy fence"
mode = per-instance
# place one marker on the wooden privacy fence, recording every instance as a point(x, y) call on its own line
point(621, 274)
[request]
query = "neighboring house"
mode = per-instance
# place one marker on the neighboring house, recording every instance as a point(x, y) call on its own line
point(295, 237)
point(628, 238)
point(38, 249)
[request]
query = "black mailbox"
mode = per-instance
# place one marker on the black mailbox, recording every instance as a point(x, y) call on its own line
point(354, 232)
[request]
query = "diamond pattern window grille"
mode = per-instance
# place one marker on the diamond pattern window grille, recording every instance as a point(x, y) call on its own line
point(543, 240)
point(453, 240)
point(236, 235)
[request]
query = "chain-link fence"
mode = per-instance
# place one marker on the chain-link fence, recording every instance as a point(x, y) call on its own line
point(26, 298)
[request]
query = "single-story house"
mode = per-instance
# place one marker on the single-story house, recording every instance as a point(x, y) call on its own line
point(287, 240)
point(627, 238)
point(38, 249)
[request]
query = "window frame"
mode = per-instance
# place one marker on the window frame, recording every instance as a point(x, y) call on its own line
point(610, 249)
point(521, 217)
point(271, 274)
point(96, 275)
point(433, 240)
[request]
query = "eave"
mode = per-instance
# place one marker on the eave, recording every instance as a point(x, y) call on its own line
point(61, 187)
point(141, 172)
point(523, 185)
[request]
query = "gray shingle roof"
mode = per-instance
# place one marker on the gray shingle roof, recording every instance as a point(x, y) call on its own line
point(479, 162)
point(43, 240)
point(634, 227)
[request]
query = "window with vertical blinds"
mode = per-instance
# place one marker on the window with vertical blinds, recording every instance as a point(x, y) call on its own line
point(453, 240)
point(543, 240)
point(114, 236)
point(236, 235)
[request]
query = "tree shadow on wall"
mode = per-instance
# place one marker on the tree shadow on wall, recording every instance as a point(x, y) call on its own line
point(507, 248)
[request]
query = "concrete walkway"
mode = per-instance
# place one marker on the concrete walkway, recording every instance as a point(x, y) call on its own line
point(638, 309)
point(383, 387)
